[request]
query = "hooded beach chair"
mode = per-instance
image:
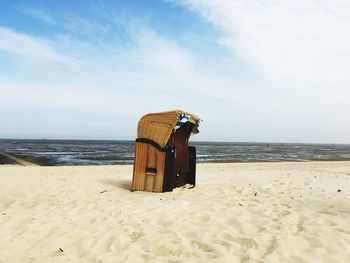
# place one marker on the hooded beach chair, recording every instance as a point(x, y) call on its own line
point(163, 159)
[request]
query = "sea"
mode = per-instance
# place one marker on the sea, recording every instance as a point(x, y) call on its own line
point(102, 152)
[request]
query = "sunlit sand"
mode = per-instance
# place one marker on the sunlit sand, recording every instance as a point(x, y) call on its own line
point(264, 212)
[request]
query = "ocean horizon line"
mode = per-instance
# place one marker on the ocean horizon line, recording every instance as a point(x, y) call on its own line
point(193, 140)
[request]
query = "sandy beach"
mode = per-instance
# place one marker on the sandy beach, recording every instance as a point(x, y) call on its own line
point(261, 212)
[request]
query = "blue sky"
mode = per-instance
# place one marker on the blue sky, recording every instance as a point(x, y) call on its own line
point(252, 70)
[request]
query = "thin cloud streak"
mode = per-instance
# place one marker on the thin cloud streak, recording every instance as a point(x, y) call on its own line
point(26, 46)
point(40, 14)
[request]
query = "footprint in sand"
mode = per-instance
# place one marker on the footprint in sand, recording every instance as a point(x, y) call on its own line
point(206, 247)
point(164, 223)
point(332, 223)
point(135, 235)
point(287, 206)
point(199, 219)
point(232, 222)
point(314, 242)
point(285, 213)
point(271, 247)
point(327, 213)
point(343, 231)
point(245, 242)
point(204, 218)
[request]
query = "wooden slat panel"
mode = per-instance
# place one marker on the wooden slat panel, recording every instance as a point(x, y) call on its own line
point(141, 157)
point(158, 184)
point(140, 163)
point(149, 182)
point(151, 159)
point(151, 163)
point(133, 171)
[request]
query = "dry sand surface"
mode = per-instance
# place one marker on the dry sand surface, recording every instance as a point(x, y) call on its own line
point(266, 212)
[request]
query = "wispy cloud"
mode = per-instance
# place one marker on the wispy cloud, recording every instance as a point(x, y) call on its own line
point(40, 14)
point(26, 46)
point(299, 52)
point(297, 41)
